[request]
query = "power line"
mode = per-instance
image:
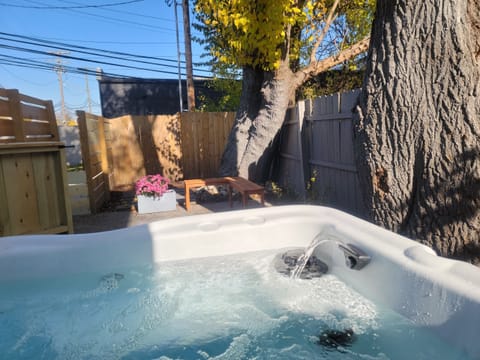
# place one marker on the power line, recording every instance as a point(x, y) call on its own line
point(23, 79)
point(91, 51)
point(36, 41)
point(39, 65)
point(49, 7)
point(116, 42)
point(33, 51)
point(32, 64)
point(143, 16)
point(105, 18)
point(87, 52)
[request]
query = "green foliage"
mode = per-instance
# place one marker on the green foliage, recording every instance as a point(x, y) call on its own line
point(286, 194)
point(312, 196)
point(279, 194)
point(358, 18)
point(228, 90)
point(331, 82)
point(226, 85)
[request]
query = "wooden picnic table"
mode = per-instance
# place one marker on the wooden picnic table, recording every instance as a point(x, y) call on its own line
point(241, 185)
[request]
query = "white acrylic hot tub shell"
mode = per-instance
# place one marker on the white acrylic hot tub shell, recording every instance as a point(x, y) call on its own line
point(409, 278)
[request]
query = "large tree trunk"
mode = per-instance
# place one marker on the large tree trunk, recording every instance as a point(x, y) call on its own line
point(248, 109)
point(418, 132)
point(249, 149)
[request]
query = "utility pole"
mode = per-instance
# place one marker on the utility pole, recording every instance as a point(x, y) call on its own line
point(174, 3)
point(188, 56)
point(60, 70)
point(62, 97)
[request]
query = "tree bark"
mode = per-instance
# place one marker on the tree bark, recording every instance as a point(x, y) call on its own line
point(263, 106)
point(418, 124)
point(249, 107)
point(277, 90)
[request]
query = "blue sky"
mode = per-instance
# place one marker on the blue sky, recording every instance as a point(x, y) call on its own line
point(142, 27)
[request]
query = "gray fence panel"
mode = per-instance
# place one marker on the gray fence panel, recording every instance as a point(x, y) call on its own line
point(290, 168)
point(323, 150)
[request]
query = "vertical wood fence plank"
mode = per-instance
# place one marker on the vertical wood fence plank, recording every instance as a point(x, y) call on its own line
point(185, 135)
point(66, 215)
point(104, 159)
point(327, 141)
point(5, 223)
point(210, 144)
point(46, 185)
point(109, 156)
point(16, 114)
point(86, 156)
point(22, 198)
point(52, 120)
point(198, 145)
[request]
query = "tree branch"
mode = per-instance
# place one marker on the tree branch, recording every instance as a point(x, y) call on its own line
point(331, 16)
point(316, 67)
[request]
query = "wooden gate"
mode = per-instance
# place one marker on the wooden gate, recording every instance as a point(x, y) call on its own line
point(95, 141)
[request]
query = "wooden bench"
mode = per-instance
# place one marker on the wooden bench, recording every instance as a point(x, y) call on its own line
point(243, 186)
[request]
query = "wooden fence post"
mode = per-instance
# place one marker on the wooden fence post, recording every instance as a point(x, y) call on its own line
point(17, 116)
point(84, 144)
point(52, 120)
point(103, 154)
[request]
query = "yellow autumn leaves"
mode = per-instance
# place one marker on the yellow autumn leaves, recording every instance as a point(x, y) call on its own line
point(256, 33)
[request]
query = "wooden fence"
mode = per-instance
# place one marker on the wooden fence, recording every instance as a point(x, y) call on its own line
point(316, 146)
point(204, 136)
point(95, 142)
point(145, 145)
point(291, 171)
point(33, 183)
point(317, 142)
point(177, 146)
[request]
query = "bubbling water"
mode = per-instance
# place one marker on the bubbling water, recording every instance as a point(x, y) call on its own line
point(235, 307)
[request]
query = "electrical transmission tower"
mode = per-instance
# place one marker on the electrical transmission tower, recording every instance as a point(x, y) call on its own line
point(59, 69)
point(87, 88)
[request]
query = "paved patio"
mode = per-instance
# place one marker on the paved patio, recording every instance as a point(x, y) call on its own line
point(122, 213)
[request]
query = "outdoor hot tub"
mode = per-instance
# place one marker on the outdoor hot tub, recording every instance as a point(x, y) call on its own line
point(210, 287)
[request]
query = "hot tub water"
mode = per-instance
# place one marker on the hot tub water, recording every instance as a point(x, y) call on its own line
point(230, 307)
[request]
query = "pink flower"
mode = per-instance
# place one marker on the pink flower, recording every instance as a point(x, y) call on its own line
point(151, 185)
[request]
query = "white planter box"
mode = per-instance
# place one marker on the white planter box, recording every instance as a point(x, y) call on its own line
point(148, 204)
